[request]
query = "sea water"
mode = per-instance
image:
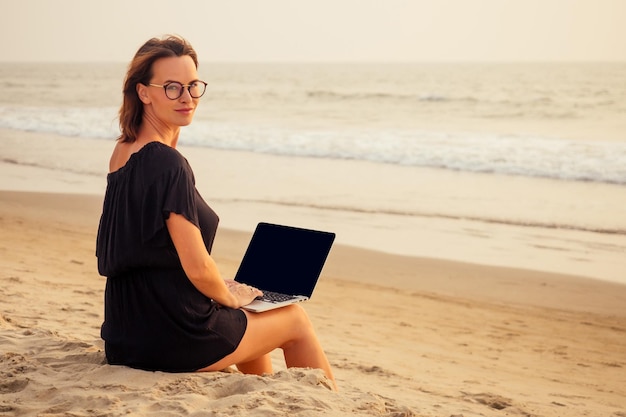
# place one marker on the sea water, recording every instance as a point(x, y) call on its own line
point(564, 121)
point(394, 147)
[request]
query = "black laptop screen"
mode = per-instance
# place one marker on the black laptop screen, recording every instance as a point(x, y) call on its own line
point(285, 259)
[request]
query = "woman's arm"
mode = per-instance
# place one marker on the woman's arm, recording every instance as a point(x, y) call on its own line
point(200, 267)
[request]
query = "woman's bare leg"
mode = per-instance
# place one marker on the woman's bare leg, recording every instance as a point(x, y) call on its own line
point(288, 328)
point(258, 366)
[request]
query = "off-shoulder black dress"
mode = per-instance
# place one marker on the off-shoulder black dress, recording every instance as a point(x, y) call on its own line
point(154, 318)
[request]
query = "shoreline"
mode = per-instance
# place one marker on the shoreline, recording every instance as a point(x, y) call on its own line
point(473, 218)
point(280, 189)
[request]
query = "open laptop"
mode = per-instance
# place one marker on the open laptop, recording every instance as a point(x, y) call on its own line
point(283, 260)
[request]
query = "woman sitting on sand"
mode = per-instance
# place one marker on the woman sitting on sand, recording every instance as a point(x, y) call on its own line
point(166, 306)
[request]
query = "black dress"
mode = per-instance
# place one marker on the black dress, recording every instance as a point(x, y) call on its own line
point(154, 317)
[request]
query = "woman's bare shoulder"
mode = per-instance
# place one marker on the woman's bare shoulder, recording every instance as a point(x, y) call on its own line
point(120, 155)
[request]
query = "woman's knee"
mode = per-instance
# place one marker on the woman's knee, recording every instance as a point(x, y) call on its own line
point(299, 321)
point(298, 315)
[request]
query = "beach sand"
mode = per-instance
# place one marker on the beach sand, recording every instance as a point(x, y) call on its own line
point(406, 336)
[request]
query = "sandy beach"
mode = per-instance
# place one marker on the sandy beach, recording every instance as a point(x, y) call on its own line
point(406, 336)
point(449, 292)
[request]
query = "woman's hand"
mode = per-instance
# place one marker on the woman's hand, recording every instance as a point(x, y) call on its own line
point(245, 294)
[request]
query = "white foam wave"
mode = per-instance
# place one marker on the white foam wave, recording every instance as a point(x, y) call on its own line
point(486, 153)
point(88, 122)
point(498, 154)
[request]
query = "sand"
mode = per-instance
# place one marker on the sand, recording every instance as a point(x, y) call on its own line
point(406, 336)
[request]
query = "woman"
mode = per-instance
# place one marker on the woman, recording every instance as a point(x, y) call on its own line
point(166, 306)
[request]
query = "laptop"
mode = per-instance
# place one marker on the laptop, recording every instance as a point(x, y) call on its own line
point(284, 262)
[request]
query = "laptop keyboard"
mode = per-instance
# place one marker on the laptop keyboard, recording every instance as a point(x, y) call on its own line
point(274, 297)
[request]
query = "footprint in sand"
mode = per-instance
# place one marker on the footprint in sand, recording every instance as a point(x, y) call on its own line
point(13, 385)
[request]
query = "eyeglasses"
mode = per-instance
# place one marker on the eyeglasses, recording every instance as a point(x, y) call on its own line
point(174, 90)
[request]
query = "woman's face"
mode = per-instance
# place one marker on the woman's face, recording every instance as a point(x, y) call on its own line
point(174, 112)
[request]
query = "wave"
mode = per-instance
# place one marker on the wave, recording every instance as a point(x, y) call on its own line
point(538, 104)
point(376, 96)
point(88, 122)
point(472, 152)
point(522, 155)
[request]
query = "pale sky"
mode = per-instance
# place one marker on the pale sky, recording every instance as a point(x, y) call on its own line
point(319, 30)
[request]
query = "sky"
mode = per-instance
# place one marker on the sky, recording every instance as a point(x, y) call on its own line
point(319, 30)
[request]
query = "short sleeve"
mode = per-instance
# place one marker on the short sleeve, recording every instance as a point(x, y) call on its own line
point(172, 191)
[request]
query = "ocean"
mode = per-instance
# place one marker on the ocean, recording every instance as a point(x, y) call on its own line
point(564, 121)
point(396, 147)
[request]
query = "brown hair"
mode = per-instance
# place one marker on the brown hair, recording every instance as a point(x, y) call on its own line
point(140, 71)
